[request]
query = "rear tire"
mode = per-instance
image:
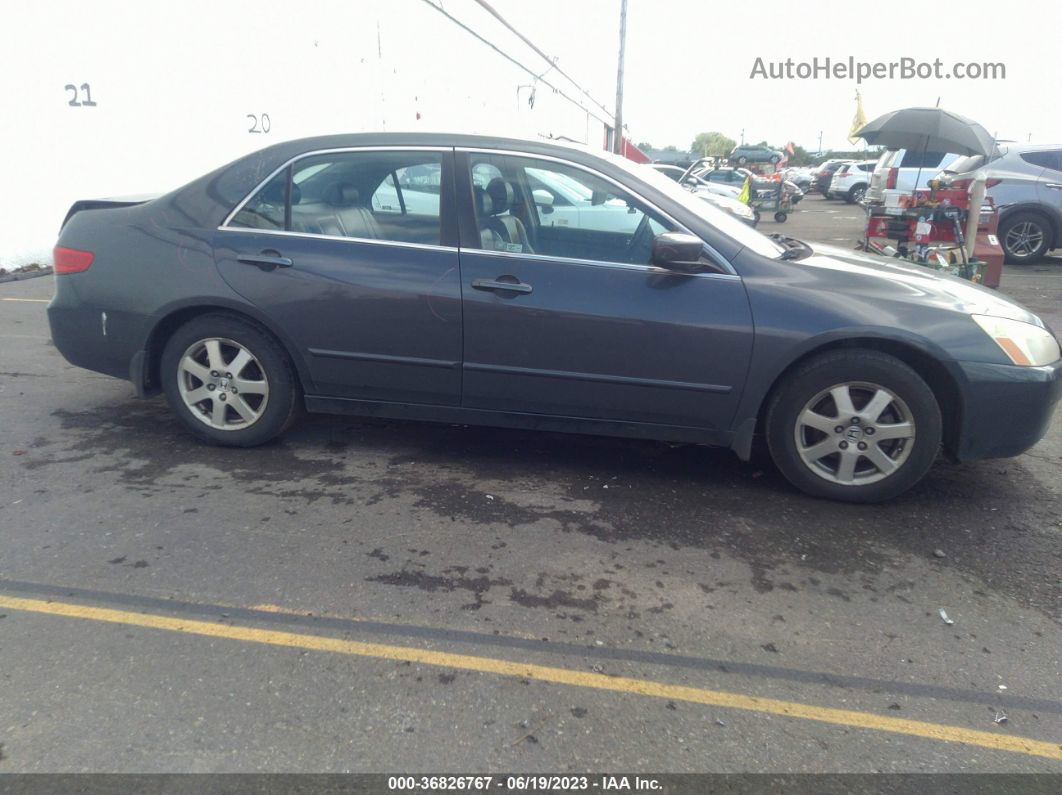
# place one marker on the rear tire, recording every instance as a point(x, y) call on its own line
point(875, 440)
point(1026, 237)
point(229, 382)
point(855, 194)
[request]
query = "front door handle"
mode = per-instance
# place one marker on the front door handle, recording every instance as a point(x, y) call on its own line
point(268, 258)
point(1055, 185)
point(514, 286)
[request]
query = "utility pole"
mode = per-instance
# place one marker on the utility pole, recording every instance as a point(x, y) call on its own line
point(820, 142)
point(617, 138)
point(742, 136)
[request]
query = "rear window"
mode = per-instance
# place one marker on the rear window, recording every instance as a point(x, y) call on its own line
point(966, 164)
point(919, 159)
point(1050, 159)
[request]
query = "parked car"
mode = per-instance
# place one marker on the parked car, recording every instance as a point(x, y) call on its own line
point(694, 181)
point(738, 209)
point(276, 282)
point(821, 181)
point(801, 177)
point(735, 178)
point(903, 171)
point(750, 153)
point(1025, 182)
point(850, 181)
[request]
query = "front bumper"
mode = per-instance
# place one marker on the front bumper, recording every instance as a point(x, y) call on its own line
point(1007, 409)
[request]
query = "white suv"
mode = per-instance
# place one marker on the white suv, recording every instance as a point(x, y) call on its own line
point(850, 181)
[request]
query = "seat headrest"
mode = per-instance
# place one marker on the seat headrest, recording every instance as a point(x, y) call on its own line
point(501, 195)
point(341, 194)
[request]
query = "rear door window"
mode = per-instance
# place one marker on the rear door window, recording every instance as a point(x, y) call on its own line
point(388, 196)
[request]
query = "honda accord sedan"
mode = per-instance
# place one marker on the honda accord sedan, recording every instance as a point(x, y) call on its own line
point(416, 276)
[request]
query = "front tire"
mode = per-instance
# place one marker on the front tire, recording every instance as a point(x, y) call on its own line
point(228, 381)
point(856, 194)
point(742, 161)
point(854, 425)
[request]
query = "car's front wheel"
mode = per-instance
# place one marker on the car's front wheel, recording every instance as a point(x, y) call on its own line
point(742, 161)
point(854, 425)
point(228, 381)
point(856, 194)
point(1025, 236)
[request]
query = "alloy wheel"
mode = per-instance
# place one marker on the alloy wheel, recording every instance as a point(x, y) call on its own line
point(222, 384)
point(855, 433)
point(1024, 239)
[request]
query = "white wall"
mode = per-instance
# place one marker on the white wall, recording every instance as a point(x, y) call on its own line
point(174, 84)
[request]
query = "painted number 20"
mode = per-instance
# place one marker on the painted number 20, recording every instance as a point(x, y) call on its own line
point(259, 124)
point(87, 102)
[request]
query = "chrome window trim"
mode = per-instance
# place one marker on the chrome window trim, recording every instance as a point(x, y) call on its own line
point(511, 153)
point(343, 238)
point(225, 227)
point(314, 153)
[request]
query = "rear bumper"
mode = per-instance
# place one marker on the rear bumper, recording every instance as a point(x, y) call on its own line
point(1007, 409)
point(105, 341)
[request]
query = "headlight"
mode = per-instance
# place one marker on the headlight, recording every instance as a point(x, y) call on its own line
point(1024, 343)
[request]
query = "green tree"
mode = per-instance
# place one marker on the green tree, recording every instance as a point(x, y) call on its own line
point(645, 146)
point(712, 143)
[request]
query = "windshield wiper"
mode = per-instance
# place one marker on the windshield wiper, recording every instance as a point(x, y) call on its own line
point(794, 249)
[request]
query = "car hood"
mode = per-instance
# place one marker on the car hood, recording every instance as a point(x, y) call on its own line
point(899, 280)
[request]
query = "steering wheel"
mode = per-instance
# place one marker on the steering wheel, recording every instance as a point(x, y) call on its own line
point(641, 243)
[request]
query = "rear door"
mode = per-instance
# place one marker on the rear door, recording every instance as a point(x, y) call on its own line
point(353, 255)
point(575, 323)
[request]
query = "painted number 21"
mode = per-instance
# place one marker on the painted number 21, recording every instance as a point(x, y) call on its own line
point(74, 102)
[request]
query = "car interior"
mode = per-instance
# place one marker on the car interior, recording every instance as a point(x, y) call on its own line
point(509, 219)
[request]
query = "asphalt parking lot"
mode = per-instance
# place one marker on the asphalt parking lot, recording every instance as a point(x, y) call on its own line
point(396, 596)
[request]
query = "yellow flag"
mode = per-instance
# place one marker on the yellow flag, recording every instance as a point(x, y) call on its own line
point(859, 122)
point(743, 197)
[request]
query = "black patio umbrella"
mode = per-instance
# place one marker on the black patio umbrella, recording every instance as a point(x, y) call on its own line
point(929, 130)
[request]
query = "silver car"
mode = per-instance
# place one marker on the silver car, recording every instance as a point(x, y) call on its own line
point(1025, 182)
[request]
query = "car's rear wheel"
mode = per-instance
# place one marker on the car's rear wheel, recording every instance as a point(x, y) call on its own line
point(228, 381)
point(854, 425)
point(1025, 237)
point(742, 161)
point(856, 194)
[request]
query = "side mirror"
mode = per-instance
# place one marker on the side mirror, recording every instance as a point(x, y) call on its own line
point(678, 251)
point(598, 197)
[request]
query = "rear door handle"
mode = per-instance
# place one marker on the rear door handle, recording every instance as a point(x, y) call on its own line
point(490, 284)
point(269, 258)
point(1054, 185)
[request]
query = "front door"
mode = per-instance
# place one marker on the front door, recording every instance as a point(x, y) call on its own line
point(563, 315)
point(353, 254)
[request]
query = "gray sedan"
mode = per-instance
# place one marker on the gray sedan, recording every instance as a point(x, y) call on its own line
point(415, 276)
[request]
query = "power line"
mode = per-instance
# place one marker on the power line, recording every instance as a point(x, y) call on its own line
point(551, 61)
point(515, 62)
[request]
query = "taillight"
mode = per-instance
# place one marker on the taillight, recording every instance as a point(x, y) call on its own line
point(890, 180)
point(991, 182)
point(71, 260)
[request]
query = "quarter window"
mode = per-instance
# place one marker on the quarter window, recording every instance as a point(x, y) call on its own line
point(530, 206)
point(391, 196)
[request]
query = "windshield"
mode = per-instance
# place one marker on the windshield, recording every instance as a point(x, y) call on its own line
point(727, 224)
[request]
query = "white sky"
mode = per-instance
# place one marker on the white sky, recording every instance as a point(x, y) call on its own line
point(688, 63)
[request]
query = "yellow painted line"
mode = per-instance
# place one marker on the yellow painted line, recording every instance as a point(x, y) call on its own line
point(543, 673)
point(28, 300)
